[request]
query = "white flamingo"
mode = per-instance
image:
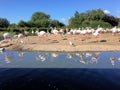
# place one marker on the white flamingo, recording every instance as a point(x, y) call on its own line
point(33, 32)
point(21, 36)
point(7, 36)
point(41, 33)
point(97, 34)
point(71, 43)
point(114, 30)
point(26, 33)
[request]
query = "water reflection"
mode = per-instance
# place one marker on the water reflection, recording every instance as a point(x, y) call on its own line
point(54, 55)
point(21, 53)
point(41, 57)
point(8, 58)
point(60, 60)
point(112, 60)
point(95, 58)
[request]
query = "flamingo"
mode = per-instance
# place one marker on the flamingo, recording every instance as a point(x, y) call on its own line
point(26, 33)
point(7, 36)
point(97, 34)
point(41, 33)
point(114, 30)
point(21, 36)
point(71, 43)
point(33, 32)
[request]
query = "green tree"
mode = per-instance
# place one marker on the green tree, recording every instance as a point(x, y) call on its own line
point(92, 18)
point(4, 23)
point(23, 23)
point(40, 19)
point(40, 16)
point(56, 23)
point(119, 23)
point(112, 20)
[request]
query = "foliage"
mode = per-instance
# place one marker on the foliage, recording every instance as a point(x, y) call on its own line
point(22, 24)
point(112, 20)
point(40, 20)
point(4, 23)
point(92, 19)
point(119, 23)
point(56, 23)
point(40, 16)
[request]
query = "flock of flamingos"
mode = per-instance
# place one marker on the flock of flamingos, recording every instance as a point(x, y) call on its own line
point(96, 33)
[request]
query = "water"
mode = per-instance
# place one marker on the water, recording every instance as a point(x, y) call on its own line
point(22, 59)
point(59, 71)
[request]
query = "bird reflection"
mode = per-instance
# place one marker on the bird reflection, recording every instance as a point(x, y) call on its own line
point(42, 57)
point(21, 53)
point(112, 60)
point(72, 56)
point(83, 60)
point(77, 54)
point(54, 55)
point(95, 58)
point(88, 54)
point(119, 59)
point(8, 58)
point(69, 56)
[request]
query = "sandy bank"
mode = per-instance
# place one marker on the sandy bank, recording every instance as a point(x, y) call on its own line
point(106, 42)
point(65, 48)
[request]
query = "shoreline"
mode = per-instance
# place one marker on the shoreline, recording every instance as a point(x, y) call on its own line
point(64, 48)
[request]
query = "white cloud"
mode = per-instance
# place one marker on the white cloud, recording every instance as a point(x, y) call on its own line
point(106, 11)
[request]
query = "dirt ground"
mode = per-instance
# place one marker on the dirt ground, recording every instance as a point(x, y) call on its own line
point(106, 42)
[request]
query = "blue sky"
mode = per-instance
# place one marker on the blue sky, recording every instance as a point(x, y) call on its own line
point(62, 10)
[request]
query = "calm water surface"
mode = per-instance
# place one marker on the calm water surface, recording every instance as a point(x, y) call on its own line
point(59, 71)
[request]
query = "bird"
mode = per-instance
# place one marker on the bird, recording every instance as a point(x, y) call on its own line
point(71, 43)
point(7, 35)
point(20, 36)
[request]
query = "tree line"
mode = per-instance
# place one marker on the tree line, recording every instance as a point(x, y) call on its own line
point(42, 21)
point(39, 21)
point(93, 18)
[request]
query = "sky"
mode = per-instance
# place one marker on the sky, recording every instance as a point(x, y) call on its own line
point(62, 10)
